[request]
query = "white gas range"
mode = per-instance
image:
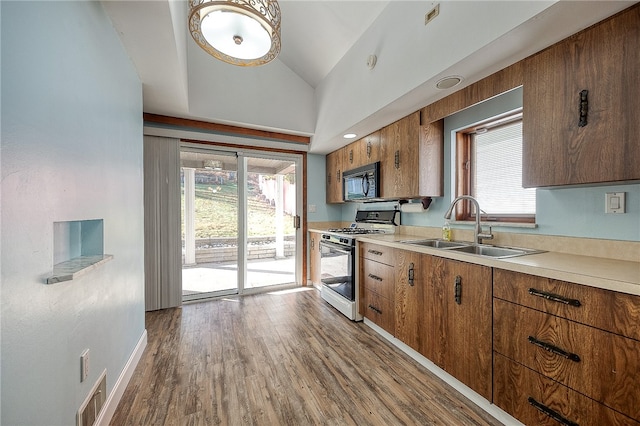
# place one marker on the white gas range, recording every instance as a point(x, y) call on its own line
point(337, 258)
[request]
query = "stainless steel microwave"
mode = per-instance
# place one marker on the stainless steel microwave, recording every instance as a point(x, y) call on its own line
point(362, 184)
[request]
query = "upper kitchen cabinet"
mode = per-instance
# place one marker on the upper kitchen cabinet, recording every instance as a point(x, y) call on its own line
point(411, 158)
point(362, 152)
point(582, 107)
point(334, 176)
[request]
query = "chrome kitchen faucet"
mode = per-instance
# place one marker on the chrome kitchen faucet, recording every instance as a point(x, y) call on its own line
point(478, 236)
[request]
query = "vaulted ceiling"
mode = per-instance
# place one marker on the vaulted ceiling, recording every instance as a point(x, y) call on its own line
point(320, 85)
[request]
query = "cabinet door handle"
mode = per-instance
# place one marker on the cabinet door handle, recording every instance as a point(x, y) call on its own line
point(584, 108)
point(338, 175)
point(554, 297)
point(551, 413)
point(351, 156)
point(554, 349)
point(411, 274)
point(373, 308)
point(368, 149)
point(375, 252)
point(313, 243)
point(375, 277)
point(397, 159)
point(457, 290)
point(328, 178)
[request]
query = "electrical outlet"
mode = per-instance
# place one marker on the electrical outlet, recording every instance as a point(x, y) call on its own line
point(312, 208)
point(84, 365)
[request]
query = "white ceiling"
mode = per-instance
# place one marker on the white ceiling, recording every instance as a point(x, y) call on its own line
point(319, 86)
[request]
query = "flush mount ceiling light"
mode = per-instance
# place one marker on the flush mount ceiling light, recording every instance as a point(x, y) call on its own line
point(448, 82)
point(239, 32)
point(349, 135)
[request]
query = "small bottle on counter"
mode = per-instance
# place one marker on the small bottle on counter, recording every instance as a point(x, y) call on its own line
point(446, 231)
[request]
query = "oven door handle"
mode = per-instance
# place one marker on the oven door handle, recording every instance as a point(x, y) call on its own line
point(342, 249)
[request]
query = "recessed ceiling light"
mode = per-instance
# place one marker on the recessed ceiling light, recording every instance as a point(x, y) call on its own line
point(448, 82)
point(349, 135)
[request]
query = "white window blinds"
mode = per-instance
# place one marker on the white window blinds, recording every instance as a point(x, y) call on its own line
point(497, 165)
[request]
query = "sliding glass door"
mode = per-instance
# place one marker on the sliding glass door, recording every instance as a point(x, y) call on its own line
point(271, 211)
point(238, 221)
point(209, 187)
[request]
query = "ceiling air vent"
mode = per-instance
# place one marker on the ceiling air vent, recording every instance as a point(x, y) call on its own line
point(430, 16)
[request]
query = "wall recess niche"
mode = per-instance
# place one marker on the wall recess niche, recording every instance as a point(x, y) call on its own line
point(78, 247)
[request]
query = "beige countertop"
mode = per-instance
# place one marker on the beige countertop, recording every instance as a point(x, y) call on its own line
point(605, 273)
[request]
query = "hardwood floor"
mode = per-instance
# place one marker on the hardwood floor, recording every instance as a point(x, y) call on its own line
point(283, 358)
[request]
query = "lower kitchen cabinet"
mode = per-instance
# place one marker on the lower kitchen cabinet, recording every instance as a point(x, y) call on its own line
point(410, 282)
point(314, 258)
point(377, 285)
point(573, 345)
point(535, 399)
point(457, 336)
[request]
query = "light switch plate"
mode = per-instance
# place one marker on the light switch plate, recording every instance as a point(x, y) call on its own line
point(615, 202)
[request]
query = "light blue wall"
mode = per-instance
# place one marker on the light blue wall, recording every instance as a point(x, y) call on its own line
point(71, 150)
point(574, 212)
point(316, 191)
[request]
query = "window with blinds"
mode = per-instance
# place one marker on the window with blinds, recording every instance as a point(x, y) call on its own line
point(490, 169)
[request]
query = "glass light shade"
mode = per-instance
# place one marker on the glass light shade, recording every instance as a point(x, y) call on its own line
point(240, 32)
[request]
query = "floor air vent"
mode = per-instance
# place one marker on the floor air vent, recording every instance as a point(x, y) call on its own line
point(91, 406)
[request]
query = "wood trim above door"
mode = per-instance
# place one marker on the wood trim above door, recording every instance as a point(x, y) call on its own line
point(224, 128)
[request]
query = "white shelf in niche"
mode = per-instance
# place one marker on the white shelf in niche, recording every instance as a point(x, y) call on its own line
point(78, 247)
point(76, 267)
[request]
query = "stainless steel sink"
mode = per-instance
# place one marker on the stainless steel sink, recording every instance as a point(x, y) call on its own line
point(494, 251)
point(443, 244)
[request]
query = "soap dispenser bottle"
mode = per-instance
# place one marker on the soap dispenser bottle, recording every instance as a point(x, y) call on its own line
point(446, 231)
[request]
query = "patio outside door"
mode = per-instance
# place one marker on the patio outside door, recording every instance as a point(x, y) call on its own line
point(238, 222)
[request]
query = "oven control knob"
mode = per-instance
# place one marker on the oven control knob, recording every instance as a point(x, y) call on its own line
point(344, 240)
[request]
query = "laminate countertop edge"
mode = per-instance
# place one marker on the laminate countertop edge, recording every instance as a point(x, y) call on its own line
point(609, 274)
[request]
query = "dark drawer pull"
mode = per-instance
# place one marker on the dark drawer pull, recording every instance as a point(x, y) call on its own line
point(584, 108)
point(375, 277)
point(457, 290)
point(411, 274)
point(373, 308)
point(551, 413)
point(554, 349)
point(554, 297)
point(376, 252)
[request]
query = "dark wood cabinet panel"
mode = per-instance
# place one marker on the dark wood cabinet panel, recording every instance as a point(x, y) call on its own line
point(603, 60)
point(380, 310)
point(377, 252)
point(314, 257)
point(460, 335)
point(608, 310)
point(515, 384)
point(334, 177)
point(410, 279)
point(399, 158)
point(379, 278)
point(362, 152)
point(596, 363)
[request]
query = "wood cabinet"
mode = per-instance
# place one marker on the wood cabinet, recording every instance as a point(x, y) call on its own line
point(410, 283)
point(334, 177)
point(457, 335)
point(411, 158)
point(582, 340)
point(377, 299)
point(557, 148)
point(362, 152)
point(314, 258)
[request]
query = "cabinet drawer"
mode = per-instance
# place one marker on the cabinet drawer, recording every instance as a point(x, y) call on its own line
point(596, 363)
point(377, 252)
point(514, 385)
point(608, 310)
point(378, 277)
point(379, 310)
